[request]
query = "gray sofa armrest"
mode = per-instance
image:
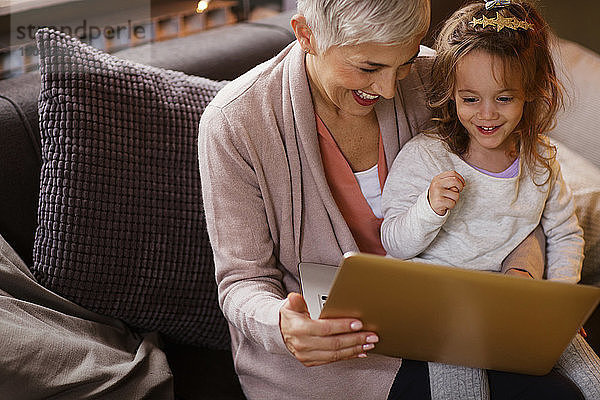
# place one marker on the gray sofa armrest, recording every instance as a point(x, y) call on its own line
point(20, 161)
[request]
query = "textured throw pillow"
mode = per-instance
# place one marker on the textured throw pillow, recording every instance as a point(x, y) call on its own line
point(578, 124)
point(121, 229)
point(584, 180)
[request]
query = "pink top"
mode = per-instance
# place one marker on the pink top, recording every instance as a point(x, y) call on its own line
point(357, 213)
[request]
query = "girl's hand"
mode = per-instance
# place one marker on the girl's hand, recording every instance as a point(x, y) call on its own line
point(322, 341)
point(444, 191)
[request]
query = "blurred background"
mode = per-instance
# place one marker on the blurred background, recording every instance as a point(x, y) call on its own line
point(112, 25)
point(575, 20)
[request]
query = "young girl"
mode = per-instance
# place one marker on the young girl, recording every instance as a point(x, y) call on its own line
point(468, 192)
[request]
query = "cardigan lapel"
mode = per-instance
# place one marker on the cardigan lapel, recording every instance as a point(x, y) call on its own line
point(292, 150)
point(387, 115)
point(407, 114)
point(300, 110)
point(414, 116)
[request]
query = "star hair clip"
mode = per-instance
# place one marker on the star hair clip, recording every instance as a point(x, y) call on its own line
point(491, 4)
point(500, 22)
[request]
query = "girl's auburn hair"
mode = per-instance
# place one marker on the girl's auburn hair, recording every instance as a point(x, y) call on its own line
point(527, 52)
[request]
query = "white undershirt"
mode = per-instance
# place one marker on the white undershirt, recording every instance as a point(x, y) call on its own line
point(368, 181)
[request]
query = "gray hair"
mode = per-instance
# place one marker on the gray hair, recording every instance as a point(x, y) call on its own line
point(346, 22)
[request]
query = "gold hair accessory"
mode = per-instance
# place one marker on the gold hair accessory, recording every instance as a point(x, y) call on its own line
point(496, 4)
point(500, 22)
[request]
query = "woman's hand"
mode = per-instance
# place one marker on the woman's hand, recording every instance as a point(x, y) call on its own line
point(322, 341)
point(518, 272)
point(444, 191)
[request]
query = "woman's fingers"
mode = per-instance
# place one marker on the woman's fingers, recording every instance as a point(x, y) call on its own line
point(329, 327)
point(320, 357)
point(296, 303)
point(360, 342)
point(306, 335)
point(321, 341)
point(317, 350)
point(323, 327)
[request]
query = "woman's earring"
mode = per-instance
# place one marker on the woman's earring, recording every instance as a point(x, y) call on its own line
point(306, 51)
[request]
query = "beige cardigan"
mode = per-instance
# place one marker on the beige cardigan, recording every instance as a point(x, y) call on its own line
point(268, 207)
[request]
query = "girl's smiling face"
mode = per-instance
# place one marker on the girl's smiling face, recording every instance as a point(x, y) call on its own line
point(351, 79)
point(489, 102)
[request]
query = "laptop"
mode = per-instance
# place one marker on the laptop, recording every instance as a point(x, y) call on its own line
point(450, 315)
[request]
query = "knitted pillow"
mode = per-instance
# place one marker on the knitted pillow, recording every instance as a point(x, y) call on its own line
point(121, 229)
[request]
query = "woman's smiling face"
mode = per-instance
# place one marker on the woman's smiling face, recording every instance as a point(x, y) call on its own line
point(351, 79)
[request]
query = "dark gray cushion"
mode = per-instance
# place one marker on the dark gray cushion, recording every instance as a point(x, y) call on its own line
point(121, 229)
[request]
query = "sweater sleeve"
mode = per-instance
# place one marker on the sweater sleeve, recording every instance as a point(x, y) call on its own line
point(564, 236)
point(249, 282)
point(410, 224)
point(529, 255)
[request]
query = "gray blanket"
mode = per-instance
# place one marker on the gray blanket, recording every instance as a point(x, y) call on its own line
point(52, 348)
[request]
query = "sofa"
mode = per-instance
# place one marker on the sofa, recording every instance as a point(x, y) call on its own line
point(205, 369)
point(220, 54)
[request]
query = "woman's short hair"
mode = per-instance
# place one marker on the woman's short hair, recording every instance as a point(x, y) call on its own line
point(346, 22)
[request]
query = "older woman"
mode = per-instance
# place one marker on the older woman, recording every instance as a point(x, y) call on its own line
point(293, 158)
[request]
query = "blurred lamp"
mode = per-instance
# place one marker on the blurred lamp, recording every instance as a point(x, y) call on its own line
point(202, 6)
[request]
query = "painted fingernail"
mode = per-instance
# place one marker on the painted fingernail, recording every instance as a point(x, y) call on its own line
point(356, 325)
point(362, 355)
point(372, 339)
point(368, 346)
